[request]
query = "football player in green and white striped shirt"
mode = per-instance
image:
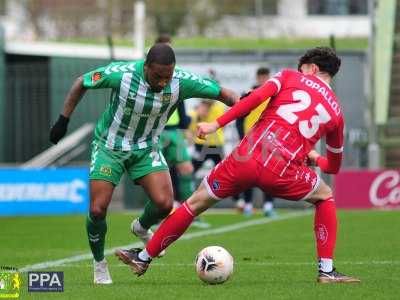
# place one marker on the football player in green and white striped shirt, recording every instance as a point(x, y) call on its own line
point(126, 137)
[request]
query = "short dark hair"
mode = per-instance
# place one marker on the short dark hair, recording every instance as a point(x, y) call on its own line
point(324, 57)
point(263, 71)
point(160, 53)
point(163, 38)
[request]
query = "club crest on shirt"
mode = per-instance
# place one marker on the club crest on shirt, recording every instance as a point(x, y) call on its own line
point(166, 97)
point(215, 185)
point(96, 77)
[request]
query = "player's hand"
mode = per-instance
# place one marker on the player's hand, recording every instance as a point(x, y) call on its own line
point(204, 128)
point(312, 157)
point(59, 129)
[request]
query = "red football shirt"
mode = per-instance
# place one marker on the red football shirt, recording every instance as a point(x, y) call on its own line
point(302, 109)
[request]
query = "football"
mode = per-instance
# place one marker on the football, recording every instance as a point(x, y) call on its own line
point(214, 265)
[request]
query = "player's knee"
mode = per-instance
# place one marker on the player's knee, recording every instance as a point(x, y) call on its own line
point(322, 193)
point(98, 211)
point(200, 200)
point(165, 204)
point(326, 192)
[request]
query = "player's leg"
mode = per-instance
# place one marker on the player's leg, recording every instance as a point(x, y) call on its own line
point(303, 183)
point(178, 222)
point(168, 146)
point(96, 226)
point(226, 179)
point(248, 202)
point(100, 197)
point(186, 182)
point(105, 173)
point(325, 229)
point(268, 207)
point(158, 187)
point(183, 164)
point(198, 157)
point(169, 231)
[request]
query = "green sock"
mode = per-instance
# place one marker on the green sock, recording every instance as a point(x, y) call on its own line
point(96, 229)
point(151, 215)
point(186, 186)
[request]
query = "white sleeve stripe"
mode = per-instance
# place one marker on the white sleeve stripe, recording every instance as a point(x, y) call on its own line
point(334, 150)
point(276, 81)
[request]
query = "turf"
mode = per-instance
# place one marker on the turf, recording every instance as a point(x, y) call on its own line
point(272, 261)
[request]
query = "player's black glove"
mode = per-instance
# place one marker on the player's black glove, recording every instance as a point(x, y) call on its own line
point(59, 129)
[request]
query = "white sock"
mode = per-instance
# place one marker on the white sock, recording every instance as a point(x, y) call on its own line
point(137, 227)
point(248, 207)
point(268, 206)
point(325, 264)
point(143, 255)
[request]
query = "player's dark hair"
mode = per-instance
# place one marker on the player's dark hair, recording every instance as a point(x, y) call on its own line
point(263, 71)
point(324, 57)
point(160, 53)
point(163, 38)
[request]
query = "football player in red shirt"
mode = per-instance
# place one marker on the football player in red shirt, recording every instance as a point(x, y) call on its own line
point(274, 156)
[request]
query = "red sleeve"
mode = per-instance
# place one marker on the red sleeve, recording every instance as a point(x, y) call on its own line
point(250, 102)
point(334, 146)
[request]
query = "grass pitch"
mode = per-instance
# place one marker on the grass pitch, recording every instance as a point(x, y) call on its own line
point(274, 260)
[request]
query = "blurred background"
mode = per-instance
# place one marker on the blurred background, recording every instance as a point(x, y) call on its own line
point(46, 44)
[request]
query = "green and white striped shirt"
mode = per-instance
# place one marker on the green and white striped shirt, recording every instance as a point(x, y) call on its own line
point(136, 116)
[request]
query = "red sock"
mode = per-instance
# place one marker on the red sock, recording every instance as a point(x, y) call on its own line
point(325, 227)
point(170, 230)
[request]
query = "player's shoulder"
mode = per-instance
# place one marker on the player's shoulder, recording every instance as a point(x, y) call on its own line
point(286, 73)
point(123, 67)
point(184, 75)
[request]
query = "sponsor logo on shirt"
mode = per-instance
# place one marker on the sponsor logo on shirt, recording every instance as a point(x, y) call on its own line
point(127, 110)
point(96, 77)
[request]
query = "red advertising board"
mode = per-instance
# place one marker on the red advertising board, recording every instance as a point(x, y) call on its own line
point(367, 189)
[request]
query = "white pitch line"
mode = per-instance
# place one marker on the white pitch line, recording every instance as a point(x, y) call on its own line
point(244, 263)
point(188, 236)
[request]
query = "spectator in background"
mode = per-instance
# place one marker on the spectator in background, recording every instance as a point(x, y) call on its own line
point(212, 147)
point(243, 126)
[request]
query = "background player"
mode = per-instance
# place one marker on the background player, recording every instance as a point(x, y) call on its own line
point(303, 109)
point(243, 126)
point(126, 136)
point(211, 148)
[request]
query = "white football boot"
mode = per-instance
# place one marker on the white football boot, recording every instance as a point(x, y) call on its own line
point(143, 234)
point(101, 275)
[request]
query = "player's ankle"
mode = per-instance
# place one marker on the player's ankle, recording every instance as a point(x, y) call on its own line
point(325, 265)
point(144, 255)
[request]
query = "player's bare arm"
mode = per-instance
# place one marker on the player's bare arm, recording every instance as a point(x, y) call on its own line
point(72, 99)
point(228, 97)
point(240, 109)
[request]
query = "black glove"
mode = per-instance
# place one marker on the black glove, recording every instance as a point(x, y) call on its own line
point(59, 129)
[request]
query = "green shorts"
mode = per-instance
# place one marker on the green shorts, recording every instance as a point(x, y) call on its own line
point(110, 165)
point(174, 146)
